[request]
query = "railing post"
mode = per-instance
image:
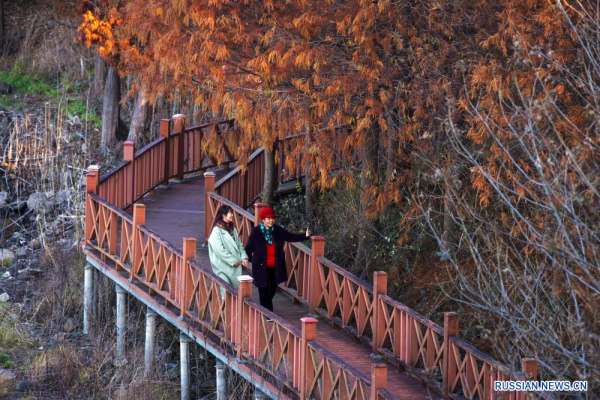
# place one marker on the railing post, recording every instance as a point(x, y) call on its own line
point(309, 332)
point(378, 379)
point(179, 127)
point(129, 184)
point(244, 292)
point(449, 371)
point(209, 186)
point(165, 131)
point(490, 393)
point(189, 252)
point(139, 218)
point(314, 286)
point(91, 186)
point(529, 367)
point(257, 209)
point(379, 287)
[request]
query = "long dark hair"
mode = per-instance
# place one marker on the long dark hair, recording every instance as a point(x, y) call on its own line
point(223, 210)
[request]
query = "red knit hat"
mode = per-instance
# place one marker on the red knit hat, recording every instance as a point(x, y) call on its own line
point(267, 212)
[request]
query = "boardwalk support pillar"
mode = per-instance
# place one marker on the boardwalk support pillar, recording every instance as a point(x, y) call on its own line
point(88, 296)
point(149, 345)
point(314, 286)
point(221, 380)
point(121, 312)
point(309, 332)
point(209, 213)
point(258, 394)
point(184, 362)
point(378, 379)
point(449, 369)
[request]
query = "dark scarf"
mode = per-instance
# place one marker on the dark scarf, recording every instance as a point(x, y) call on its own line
point(267, 233)
point(227, 226)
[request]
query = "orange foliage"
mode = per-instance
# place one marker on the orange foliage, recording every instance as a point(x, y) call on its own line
point(399, 73)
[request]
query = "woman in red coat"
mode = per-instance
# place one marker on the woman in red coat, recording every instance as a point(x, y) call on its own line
point(265, 250)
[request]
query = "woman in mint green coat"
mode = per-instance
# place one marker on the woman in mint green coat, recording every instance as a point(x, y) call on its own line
point(226, 251)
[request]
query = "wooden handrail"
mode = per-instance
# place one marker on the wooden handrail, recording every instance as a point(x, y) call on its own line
point(149, 146)
point(418, 317)
point(114, 170)
point(350, 276)
point(207, 124)
point(234, 206)
point(237, 169)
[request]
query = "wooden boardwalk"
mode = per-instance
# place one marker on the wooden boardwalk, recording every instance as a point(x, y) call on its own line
point(178, 211)
point(146, 255)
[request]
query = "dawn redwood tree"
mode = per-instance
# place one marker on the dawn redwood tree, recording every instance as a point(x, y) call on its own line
point(97, 29)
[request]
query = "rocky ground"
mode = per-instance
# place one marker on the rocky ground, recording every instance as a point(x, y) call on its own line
point(24, 285)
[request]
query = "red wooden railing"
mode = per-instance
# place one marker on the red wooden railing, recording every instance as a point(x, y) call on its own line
point(243, 188)
point(435, 354)
point(205, 299)
point(165, 158)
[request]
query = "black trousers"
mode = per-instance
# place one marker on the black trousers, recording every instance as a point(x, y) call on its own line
point(266, 294)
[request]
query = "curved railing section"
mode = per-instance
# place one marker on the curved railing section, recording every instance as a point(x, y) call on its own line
point(178, 151)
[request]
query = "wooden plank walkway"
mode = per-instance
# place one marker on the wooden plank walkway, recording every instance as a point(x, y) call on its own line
point(178, 211)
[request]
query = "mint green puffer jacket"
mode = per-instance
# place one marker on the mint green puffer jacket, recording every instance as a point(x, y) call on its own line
point(224, 250)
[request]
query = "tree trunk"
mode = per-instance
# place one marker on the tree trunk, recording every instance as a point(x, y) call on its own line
point(310, 197)
point(100, 71)
point(309, 193)
point(2, 31)
point(447, 238)
point(139, 120)
point(270, 176)
point(110, 108)
point(450, 187)
point(175, 104)
point(367, 178)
